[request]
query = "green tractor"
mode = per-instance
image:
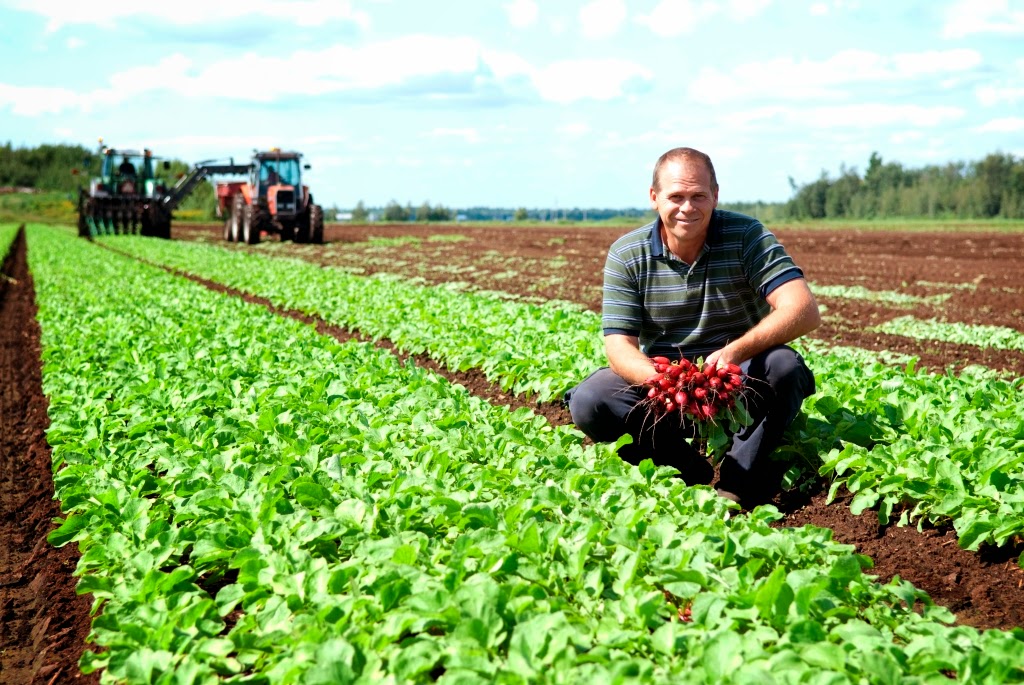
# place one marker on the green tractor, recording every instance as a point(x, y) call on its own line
point(127, 196)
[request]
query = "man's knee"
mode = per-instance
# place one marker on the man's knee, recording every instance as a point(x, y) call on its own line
point(599, 405)
point(785, 371)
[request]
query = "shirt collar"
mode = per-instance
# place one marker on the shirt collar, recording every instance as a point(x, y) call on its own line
point(658, 246)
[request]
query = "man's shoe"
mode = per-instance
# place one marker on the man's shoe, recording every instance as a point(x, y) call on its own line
point(731, 496)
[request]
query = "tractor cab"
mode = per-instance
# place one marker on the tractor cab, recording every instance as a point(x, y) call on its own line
point(277, 179)
point(125, 173)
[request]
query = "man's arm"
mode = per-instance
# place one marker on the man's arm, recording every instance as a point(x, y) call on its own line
point(626, 359)
point(794, 313)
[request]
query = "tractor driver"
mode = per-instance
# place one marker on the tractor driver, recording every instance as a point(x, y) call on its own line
point(126, 168)
point(272, 177)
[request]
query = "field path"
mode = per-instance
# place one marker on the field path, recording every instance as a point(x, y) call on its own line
point(43, 623)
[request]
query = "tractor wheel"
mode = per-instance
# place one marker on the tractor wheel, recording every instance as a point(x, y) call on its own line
point(250, 229)
point(84, 216)
point(300, 232)
point(231, 226)
point(155, 223)
point(316, 225)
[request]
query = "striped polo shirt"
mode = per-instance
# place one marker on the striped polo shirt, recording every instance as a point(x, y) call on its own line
point(693, 309)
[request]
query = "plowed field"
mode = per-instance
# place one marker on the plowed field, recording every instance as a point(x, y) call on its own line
point(44, 625)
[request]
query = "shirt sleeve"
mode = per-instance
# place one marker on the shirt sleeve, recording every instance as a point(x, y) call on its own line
point(765, 260)
point(621, 305)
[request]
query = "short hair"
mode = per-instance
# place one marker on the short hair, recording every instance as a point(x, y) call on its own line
point(681, 153)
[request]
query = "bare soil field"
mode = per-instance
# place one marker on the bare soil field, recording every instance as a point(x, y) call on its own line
point(44, 624)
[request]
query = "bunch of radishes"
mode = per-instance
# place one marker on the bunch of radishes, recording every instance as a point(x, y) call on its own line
point(700, 393)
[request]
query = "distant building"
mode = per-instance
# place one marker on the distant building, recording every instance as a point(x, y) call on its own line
point(343, 216)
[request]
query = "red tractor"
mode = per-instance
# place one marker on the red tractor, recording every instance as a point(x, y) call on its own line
point(273, 200)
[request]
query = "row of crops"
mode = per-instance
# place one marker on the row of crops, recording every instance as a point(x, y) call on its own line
point(936, 448)
point(255, 502)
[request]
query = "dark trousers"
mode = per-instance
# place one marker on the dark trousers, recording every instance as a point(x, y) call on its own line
point(604, 407)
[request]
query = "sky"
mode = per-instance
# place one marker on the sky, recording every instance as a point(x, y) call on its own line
point(521, 103)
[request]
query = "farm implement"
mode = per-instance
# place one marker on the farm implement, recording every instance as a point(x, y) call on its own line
point(273, 200)
point(125, 197)
point(129, 197)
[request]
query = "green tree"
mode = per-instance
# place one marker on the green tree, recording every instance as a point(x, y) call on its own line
point(359, 213)
point(521, 214)
point(395, 212)
point(423, 213)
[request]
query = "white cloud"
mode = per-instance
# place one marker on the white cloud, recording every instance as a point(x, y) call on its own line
point(1010, 91)
point(819, 9)
point(602, 18)
point(861, 116)
point(576, 129)
point(675, 17)
point(521, 13)
point(383, 66)
point(74, 43)
point(469, 135)
point(906, 137)
point(747, 9)
point(968, 17)
point(872, 115)
point(32, 101)
point(994, 95)
point(1004, 125)
point(107, 13)
point(788, 79)
point(597, 79)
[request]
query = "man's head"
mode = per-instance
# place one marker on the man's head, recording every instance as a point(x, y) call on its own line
point(684, 153)
point(684, 193)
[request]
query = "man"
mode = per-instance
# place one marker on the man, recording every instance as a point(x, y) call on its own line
point(700, 282)
point(126, 168)
point(272, 176)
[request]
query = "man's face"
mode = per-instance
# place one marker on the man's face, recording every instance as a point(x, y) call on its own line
point(684, 199)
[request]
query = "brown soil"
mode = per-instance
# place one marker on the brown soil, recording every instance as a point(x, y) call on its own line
point(44, 624)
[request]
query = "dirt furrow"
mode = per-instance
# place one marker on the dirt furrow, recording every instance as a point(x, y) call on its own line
point(43, 623)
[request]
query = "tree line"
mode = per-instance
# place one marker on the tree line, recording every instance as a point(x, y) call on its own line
point(990, 188)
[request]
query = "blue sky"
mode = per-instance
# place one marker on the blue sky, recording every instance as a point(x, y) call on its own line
point(521, 103)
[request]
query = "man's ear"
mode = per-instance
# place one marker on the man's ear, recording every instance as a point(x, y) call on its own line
point(654, 198)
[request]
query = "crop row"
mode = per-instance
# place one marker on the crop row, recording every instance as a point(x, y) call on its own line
point(7, 234)
point(931, 447)
point(998, 337)
point(258, 503)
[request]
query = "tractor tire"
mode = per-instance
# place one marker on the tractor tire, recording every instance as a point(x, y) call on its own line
point(316, 225)
point(231, 226)
point(85, 210)
point(155, 223)
point(300, 233)
point(250, 227)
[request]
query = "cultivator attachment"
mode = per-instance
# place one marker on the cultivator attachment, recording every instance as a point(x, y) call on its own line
point(121, 215)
